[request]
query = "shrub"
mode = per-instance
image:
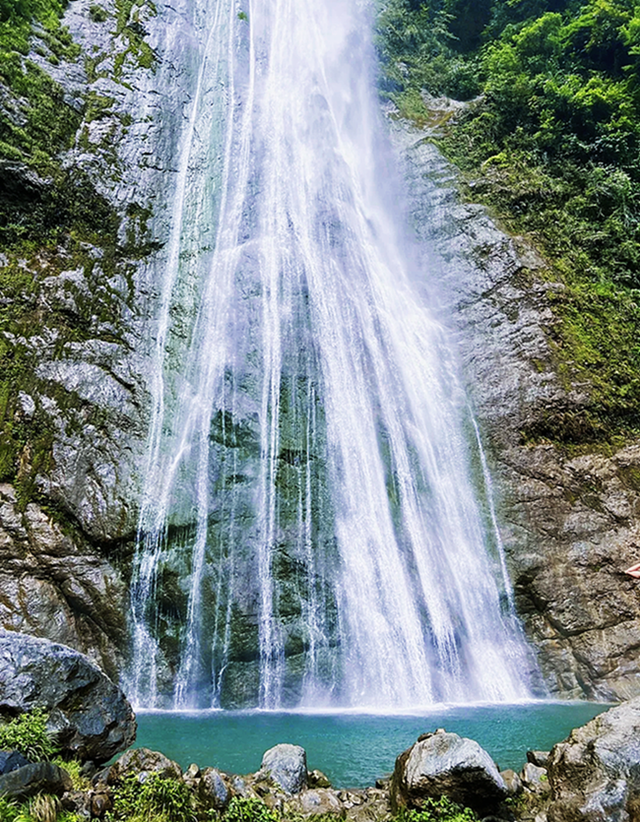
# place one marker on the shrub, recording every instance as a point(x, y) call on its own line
point(157, 799)
point(438, 810)
point(249, 810)
point(28, 734)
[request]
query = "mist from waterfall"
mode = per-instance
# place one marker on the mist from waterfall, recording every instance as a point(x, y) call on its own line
point(315, 489)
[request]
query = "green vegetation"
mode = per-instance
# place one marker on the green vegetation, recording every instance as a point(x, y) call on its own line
point(249, 810)
point(158, 798)
point(42, 808)
point(550, 141)
point(52, 220)
point(28, 734)
point(438, 810)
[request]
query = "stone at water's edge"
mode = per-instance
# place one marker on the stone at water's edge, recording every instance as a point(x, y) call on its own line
point(89, 716)
point(40, 777)
point(445, 764)
point(140, 761)
point(595, 773)
point(286, 765)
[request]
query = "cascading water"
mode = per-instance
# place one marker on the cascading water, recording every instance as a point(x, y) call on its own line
point(310, 532)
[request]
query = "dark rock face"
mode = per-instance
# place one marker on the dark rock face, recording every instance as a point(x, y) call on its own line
point(286, 765)
point(88, 714)
point(11, 761)
point(40, 777)
point(57, 587)
point(595, 773)
point(445, 764)
point(569, 523)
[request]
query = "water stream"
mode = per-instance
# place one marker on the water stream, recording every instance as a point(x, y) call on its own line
point(312, 529)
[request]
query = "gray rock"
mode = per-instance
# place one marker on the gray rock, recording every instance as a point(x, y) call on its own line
point(445, 764)
point(78, 803)
point(595, 772)
point(11, 761)
point(317, 779)
point(319, 801)
point(286, 765)
point(539, 758)
point(139, 761)
point(59, 587)
point(512, 782)
point(40, 777)
point(88, 715)
point(214, 789)
point(535, 779)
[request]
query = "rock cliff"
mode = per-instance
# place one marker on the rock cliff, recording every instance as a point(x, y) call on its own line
point(568, 515)
point(83, 217)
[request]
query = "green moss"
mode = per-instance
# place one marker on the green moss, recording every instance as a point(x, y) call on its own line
point(138, 54)
point(97, 13)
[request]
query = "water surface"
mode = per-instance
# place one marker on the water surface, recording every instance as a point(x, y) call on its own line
point(355, 749)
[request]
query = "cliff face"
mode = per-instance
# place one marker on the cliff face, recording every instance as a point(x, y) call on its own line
point(80, 216)
point(77, 325)
point(569, 518)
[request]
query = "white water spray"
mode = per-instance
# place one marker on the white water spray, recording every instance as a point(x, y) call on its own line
point(309, 493)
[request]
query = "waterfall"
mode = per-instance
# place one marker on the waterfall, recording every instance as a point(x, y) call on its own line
point(312, 530)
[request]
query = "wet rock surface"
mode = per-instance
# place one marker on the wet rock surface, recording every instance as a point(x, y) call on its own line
point(595, 773)
point(58, 587)
point(11, 761)
point(89, 716)
point(569, 523)
point(33, 779)
point(286, 765)
point(445, 764)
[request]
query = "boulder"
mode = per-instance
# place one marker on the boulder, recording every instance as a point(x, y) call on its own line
point(512, 782)
point(11, 761)
point(317, 779)
point(214, 789)
point(538, 758)
point(286, 765)
point(595, 773)
point(89, 716)
point(535, 779)
point(320, 801)
point(40, 777)
point(139, 761)
point(445, 764)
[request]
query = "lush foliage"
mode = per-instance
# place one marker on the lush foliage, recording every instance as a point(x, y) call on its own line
point(28, 734)
point(551, 143)
point(157, 798)
point(41, 808)
point(438, 810)
point(249, 810)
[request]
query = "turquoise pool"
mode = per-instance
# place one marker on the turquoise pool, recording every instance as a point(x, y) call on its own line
point(355, 749)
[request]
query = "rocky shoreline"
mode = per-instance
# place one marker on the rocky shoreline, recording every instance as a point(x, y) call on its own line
point(592, 775)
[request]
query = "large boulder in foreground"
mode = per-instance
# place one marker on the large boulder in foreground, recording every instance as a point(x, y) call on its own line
point(445, 764)
point(286, 765)
point(88, 715)
point(32, 779)
point(595, 773)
